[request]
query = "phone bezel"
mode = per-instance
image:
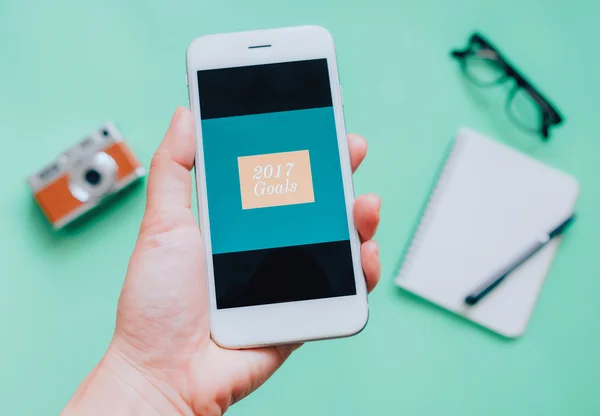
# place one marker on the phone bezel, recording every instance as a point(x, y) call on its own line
point(288, 322)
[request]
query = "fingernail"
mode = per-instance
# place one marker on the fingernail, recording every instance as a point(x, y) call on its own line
point(375, 200)
point(176, 115)
point(376, 248)
point(356, 138)
point(180, 122)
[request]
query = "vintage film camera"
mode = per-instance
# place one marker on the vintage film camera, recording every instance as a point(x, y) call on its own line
point(82, 177)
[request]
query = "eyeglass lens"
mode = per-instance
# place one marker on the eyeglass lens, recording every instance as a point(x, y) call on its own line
point(523, 109)
point(485, 69)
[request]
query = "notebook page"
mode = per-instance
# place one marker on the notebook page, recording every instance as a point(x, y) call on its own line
point(493, 203)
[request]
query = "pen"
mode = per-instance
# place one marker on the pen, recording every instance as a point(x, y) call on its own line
point(484, 289)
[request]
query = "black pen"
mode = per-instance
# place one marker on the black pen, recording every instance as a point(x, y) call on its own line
point(484, 289)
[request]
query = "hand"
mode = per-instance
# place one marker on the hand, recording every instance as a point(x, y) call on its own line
point(162, 359)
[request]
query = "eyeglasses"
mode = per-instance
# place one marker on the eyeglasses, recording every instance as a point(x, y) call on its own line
point(483, 64)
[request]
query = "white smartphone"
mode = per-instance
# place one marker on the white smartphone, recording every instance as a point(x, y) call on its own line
point(274, 185)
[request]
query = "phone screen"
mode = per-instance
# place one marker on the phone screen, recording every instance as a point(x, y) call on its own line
point(276, 206)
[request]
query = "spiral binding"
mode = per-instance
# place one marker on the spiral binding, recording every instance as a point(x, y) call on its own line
point(434, 197)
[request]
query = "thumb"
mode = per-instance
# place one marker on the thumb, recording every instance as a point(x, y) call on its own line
point(169, 180)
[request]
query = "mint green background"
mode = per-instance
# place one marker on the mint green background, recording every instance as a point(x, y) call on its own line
point(66, 66)
point(235, 229)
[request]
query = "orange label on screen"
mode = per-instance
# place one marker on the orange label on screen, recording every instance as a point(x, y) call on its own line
point(276, 179)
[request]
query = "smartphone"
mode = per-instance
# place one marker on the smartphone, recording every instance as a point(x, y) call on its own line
point(274, 185)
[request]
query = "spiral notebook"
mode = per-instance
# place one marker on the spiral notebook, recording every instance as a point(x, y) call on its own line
point(490, 202)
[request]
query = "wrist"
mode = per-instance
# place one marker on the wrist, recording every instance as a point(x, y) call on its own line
point(117, 386)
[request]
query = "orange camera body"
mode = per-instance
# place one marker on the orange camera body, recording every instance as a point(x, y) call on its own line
point(84, 176)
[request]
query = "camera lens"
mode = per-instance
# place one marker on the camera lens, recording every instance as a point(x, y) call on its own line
point(93, 177)
point(105, 133)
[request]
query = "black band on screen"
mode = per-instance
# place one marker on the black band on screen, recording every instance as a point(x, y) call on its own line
point(268, 88)
point(284, 274)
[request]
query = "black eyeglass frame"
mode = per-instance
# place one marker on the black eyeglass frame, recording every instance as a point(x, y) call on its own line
point(550, 116)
